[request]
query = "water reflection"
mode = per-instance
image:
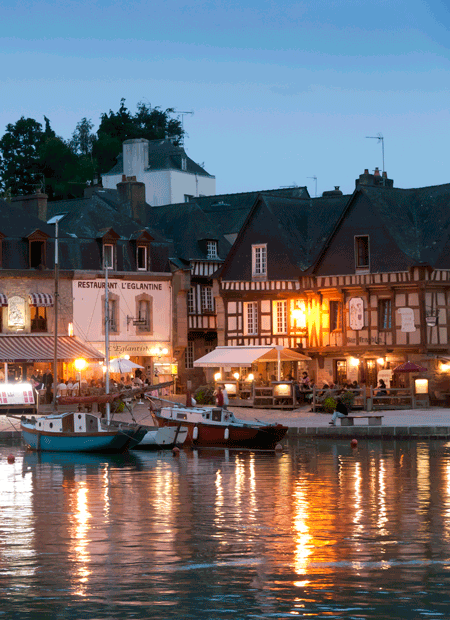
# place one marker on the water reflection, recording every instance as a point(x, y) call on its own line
point(320, 530)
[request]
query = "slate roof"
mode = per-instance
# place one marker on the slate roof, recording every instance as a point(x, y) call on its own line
point(14, 224)
point(163, 155)
point(418, 220)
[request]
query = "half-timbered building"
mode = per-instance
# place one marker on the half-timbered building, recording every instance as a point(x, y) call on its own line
point(360, 282)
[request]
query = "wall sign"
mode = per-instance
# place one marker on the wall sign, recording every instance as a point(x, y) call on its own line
point(356, 311)
point(407, 316)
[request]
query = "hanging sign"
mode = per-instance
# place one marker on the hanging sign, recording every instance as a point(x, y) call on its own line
point(407, 316)
point(356, 311)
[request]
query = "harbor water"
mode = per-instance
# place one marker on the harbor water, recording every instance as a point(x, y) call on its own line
point(321, 530)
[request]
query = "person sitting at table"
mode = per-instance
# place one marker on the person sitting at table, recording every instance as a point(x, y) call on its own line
point(381, 390)
point(61, 389)
point(305, 381)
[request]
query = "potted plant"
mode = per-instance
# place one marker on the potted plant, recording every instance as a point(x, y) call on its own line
point(347, 398)
point(329, 404)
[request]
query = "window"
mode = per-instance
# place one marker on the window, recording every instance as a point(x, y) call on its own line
point(251, 318)
point(362, 252)
point(191, 301)
point(280, 317)
point(188, 197)
point(38, 316)
point(335, 315)
point(143, 315)
point(211, 249)
point(207, 299)
point(108, 256)
point(37, 254)
point(259, 260)
point(384, 314)
point(141, 258)
point(183, 163)
point(189, 355)
point(113, 318)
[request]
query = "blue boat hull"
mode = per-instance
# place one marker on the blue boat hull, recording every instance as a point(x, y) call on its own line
point(78, 442)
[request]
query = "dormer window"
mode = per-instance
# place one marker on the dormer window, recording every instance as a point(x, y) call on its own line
point(211, 249)
point(37, 249)
point(183, 163)
point(142, 257)
point(362, 257)
point(108, 256)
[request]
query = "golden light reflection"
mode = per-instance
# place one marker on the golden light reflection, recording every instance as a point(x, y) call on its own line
point(447, 500)
point(382, 520)
point(357, 519)
point(80, 529)
point(302, 539)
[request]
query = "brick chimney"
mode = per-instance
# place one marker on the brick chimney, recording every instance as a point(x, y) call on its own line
point(377, 179)
point(132, 198)
point(34, 204)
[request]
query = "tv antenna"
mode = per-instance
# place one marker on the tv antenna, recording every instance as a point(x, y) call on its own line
point(315, 179)
point(183, 114)
point(380, 138)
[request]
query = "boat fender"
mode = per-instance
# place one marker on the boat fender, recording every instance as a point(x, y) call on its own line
point(226, 434)
point(195, 433)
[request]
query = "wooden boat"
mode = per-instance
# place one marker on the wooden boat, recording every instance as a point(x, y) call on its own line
point(218, 427)
point(78, 432)
point(163, 438)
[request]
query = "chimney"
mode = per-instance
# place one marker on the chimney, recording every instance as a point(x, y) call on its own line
point(374, 180)
point(135, 157)
point(34, 204)
point(132, 198)
point(376, 172)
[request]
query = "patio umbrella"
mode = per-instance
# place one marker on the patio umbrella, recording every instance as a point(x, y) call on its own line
point(410, 367)
point(121, 364)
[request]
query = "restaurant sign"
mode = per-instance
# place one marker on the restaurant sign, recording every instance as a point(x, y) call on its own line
point(356, 311)
point(136, 348)
point(16, 394)
point(407, 317)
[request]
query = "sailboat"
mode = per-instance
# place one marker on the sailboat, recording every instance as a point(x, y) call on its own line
point(79, 431)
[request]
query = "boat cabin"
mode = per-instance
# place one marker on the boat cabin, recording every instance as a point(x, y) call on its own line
point(199, 415)
point(78, 422)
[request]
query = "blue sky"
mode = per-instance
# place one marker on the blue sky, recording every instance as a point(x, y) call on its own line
point(281, 91)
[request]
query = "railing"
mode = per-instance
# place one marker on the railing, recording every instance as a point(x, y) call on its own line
point(370, 399)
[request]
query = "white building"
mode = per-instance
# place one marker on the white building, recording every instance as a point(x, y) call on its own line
point(169, 175)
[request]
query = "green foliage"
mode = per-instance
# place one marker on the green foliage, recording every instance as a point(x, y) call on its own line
point(31, 157)
point(204, 395)
point(329, 404)
point(347, 398)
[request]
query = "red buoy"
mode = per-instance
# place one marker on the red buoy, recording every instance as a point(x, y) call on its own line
point(354, 443)
point(11, 458)
point(176, 451)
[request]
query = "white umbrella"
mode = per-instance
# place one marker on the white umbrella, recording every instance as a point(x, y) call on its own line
point(121, 364)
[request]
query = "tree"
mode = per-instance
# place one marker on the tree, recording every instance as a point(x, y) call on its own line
point(19, 156)
point(82, 138)
point(116, 127)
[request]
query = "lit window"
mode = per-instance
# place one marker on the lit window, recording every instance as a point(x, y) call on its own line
point(141, 258)
point(108, 256)
point(207, 299)
point(280, 317)
point(211, 249)
point(362, 252)
point(335, 315)
point(259, 260)
point(38, 316)
point(384, 314)
point(251, 318)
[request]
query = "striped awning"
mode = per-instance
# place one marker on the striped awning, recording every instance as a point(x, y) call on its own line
point(3, 300)
point(41, 300)
point(30, 348)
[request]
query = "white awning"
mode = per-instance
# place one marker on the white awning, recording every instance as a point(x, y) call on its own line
point(244, 356)
point(231, 356)
point(41, 300)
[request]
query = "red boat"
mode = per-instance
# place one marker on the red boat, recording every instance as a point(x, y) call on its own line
point(214, 427)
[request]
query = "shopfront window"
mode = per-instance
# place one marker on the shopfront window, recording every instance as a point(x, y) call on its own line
point(38, 317)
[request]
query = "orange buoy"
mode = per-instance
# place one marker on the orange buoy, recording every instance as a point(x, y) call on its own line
point(278, 447)
point(176, 451)
point(354, 443)
point(11, 458)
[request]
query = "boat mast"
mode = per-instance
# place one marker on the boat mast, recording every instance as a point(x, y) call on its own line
point(55, 352)
point(108, 410)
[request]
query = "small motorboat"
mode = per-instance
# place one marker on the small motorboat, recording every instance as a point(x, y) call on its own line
point(216, 427)
point(78, 432)
point(163, 438)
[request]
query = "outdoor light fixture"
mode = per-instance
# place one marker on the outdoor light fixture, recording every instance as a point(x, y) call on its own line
point(250, 377)
point(236, 376)
point(298, 314)
point(354, 361)
point(80, 364)
point(218, 376)
point(380, 361)
point(70, 329)
point(158, 352)
point(445, 367)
